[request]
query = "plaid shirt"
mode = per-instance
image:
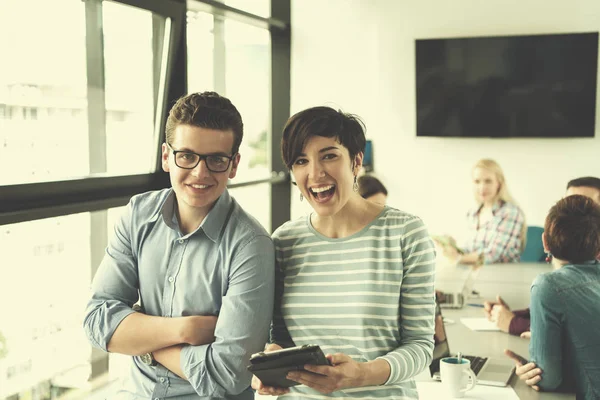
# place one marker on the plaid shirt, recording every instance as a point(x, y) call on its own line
point(499, 239)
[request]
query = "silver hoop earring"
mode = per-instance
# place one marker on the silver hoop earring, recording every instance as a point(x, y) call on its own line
point(301, 197)
point(355, 186)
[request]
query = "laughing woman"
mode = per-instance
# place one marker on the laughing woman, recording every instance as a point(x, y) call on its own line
point(354, 277)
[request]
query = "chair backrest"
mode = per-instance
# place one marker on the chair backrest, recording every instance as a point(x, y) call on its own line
point(534, 250)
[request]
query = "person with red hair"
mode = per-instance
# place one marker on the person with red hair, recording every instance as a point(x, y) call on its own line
point(564, 349)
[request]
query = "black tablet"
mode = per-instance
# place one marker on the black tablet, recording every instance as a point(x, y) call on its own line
point(272, 367)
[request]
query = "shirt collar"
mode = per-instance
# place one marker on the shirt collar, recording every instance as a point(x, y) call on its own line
point(212, 223)
point(217, 216)
point(168, 211)
point(497, 205)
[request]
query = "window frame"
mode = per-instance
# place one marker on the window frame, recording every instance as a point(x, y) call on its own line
point(25, 202)
point(99, 192)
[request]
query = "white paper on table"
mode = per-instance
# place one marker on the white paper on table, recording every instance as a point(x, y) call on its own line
point(435, 391)
point(479, 324)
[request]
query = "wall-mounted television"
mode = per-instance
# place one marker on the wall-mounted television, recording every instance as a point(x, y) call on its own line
point(507, 86)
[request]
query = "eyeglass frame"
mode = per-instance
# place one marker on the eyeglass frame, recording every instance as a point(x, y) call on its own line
point(200, 158)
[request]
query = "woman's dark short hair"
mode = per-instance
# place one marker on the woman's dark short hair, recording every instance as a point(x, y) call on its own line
point(347, 129)
point(572, 229)
point(369, 186)
point(206, 110)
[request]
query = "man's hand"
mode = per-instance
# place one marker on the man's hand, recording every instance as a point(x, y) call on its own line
point(488, 305)
point(502, 317)
point(526, 371)
point(197, 329)
point(526, 335)
point(268, 390)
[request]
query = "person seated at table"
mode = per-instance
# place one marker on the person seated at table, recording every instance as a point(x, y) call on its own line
point(517, 322)
point(372, 189)
point(564, 349)
point(586, 186)
point(497, 225)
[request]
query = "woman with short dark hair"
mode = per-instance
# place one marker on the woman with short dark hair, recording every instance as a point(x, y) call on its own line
point(354, 277)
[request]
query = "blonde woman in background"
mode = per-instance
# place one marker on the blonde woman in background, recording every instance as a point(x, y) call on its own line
point(497, 228)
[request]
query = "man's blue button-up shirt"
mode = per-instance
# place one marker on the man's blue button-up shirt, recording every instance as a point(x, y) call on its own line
point(225, 268)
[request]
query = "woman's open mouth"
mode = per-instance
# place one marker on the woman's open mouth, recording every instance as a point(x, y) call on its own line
point(322, 194)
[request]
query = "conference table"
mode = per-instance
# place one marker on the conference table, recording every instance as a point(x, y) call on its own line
point(512, 282)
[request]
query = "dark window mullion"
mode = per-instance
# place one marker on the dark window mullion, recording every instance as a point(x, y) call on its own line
point(280, 111)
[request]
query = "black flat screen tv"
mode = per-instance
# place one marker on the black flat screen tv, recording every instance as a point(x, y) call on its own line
point(507, 86)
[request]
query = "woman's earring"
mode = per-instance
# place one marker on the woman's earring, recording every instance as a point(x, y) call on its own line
point(301, 197)
point(549, 258)
point(355, 186)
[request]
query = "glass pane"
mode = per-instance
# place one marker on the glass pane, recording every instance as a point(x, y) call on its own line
point(131, 86)
point(255, 200)
point(261, 8)
point(43, 91)
point(44, 130)
point(248, 86)
point(200, 51)
point(234, 59)
point(43, 292)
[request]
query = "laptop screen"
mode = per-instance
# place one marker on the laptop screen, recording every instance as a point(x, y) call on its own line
point(441, 349)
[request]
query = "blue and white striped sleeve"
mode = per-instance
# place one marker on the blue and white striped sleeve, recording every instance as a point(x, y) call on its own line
point(417, 305)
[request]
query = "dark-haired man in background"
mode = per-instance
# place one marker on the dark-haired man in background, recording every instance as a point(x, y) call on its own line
point(187, 254)
point(587, 186)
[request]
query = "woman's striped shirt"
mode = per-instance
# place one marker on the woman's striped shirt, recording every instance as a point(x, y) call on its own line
point(369, 295)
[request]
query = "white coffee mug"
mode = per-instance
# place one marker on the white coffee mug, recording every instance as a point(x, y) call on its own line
point(455, 376)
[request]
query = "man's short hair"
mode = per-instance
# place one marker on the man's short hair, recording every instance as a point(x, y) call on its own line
point(206, 110)
point(587, 181)
point(572, 229)
point(347, 129)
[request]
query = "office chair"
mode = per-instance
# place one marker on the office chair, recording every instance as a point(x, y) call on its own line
point(534, 249)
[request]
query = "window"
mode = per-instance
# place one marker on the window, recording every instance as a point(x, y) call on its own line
point(234, 59)
point(45, 278)
point(247, 84)
point(131, 91)
point(82, 98)
point(87, 105)
point(31, 145)
point(54, 124)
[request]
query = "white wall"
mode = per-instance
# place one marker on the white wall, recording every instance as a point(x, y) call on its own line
point(359, 55)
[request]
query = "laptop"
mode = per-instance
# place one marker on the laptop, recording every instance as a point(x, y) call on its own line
point(489, 371)
point(457, 299)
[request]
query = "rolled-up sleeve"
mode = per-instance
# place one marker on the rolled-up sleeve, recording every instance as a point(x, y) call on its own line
point(545, 347)
point(114, 288)
point(417, 306)
point(242, 329)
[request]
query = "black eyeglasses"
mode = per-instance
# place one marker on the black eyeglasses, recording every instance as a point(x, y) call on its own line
point(189, 160)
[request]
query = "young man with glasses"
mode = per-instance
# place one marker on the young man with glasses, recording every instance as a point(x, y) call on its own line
point(188, 254)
